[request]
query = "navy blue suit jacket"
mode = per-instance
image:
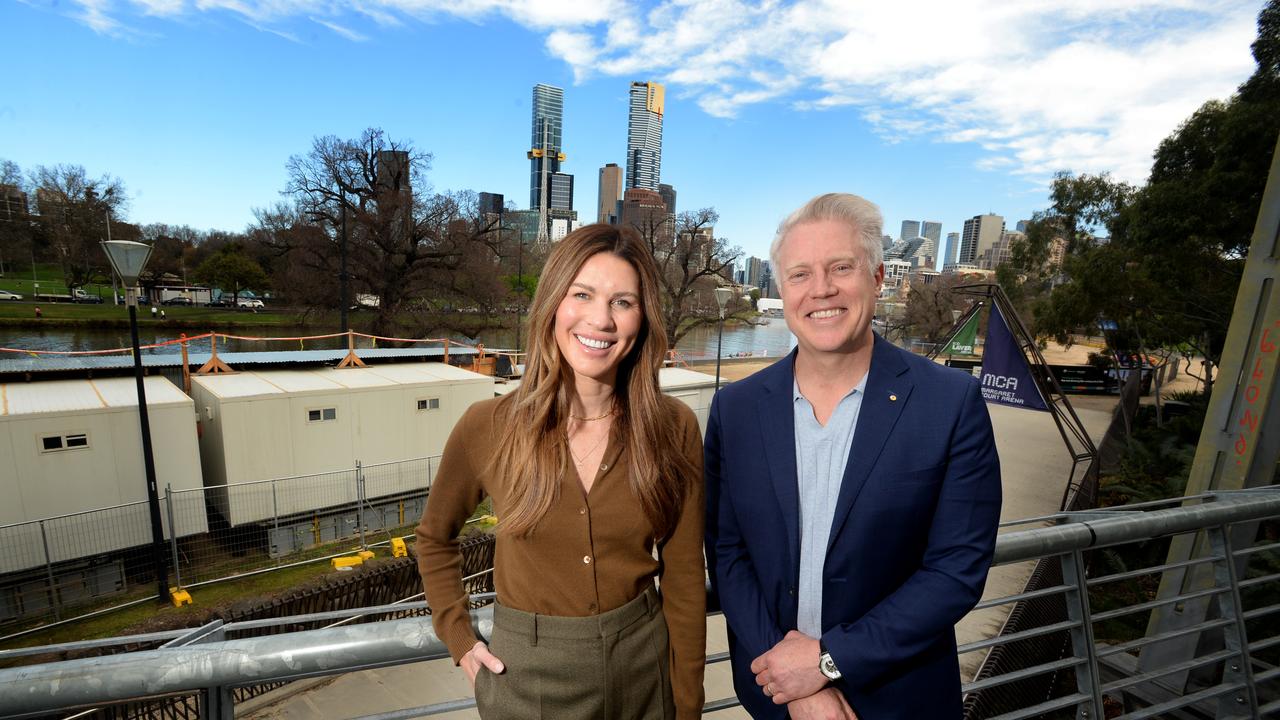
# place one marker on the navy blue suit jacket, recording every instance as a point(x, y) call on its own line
point(910, 544)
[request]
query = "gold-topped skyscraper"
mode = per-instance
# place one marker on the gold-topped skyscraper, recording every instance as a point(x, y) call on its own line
point(644, 135)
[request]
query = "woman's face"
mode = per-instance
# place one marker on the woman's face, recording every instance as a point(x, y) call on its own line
point(599, 318)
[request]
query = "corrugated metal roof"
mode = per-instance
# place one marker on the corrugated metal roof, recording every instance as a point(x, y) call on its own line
point(674, 377)
point(57, 396)
point(668, 379)
point(259, 383)
point(16, 364)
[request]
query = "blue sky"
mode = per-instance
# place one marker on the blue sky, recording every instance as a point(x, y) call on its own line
point(935, 110)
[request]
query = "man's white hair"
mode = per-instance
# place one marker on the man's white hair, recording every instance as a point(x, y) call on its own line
point(859, 214)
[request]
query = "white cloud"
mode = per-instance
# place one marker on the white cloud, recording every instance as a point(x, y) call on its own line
point(1040, 85)
point(345, 32)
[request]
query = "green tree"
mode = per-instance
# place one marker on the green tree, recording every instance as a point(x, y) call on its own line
point(1168, 273)
point(232, 268)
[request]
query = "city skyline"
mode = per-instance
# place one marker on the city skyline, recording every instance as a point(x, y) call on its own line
point(198, 108)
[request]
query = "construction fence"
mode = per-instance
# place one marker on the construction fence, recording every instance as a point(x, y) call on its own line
point(61, 567)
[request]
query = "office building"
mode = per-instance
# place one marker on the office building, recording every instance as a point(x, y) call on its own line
point(668, 194)
point(980, 234)
point(545, 153)
point(644, 211)
point(910, 230)
point(953, 248)
point(13, 203)
point(609, 207)
point(644, 135)
point(754, 272)
point(933, 231)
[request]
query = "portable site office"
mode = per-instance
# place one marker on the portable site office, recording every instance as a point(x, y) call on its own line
point(261, 426)
point(693, 388)
point(75, 446)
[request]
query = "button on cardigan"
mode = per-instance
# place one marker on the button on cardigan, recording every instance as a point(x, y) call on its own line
point(591, 553)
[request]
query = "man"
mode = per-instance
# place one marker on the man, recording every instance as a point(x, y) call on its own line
point(853, 493)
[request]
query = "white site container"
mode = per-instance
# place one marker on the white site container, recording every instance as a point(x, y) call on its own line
point(694, 389)
point(312, 425)
point(72, 447)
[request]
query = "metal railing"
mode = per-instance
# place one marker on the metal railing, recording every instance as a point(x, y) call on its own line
point(1101, 633)
point(59, 568)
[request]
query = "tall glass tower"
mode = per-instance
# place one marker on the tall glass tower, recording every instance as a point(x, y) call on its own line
point(545, 147)
point(644, 135)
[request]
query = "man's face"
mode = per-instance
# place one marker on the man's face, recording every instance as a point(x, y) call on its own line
point(828, 296)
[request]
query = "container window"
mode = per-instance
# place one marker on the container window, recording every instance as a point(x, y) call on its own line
point(58, 443)
point(330, 413)
point(322, 414)
point(429, 404)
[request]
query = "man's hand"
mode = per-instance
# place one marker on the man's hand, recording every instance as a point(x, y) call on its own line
point(479, 655)
point(789, 670)
point(826, 704)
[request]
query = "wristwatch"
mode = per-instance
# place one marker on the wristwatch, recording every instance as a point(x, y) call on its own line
point(826, 663)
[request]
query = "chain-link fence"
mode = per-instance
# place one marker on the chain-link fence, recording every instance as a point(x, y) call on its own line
point(64, 566)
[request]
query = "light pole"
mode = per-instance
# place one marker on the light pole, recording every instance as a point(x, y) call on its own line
point(127, 259)
point(722, 298)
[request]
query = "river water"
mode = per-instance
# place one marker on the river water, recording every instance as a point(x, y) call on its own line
point(770, 339)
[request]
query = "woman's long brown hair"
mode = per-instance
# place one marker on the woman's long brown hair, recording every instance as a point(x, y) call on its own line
point(533, 452)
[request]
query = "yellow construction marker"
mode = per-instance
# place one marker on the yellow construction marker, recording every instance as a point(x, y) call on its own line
point(349, 561)
point(179, 596)
point(365, 554)
point(398, 548)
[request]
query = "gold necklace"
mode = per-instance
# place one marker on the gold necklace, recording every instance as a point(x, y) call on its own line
point(589, 453)
point(593, 419)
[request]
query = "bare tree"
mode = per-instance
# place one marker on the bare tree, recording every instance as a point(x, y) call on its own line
point(74, 211)
point(691, 263)
point(401, 239)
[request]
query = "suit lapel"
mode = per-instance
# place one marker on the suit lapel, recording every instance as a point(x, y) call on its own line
point(777, 424)
point(888, 387)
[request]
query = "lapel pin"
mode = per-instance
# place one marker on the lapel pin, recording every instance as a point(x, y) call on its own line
point(893, 398)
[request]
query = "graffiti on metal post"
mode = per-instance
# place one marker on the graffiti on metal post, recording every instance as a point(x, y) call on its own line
point(1252, 414)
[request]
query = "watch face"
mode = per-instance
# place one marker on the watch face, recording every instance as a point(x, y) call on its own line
point(828, 667)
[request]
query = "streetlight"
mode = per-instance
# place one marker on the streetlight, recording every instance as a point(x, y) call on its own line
point(127, 259)
point(722, 298)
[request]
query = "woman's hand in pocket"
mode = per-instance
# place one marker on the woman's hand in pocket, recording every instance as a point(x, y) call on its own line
point(478, 656)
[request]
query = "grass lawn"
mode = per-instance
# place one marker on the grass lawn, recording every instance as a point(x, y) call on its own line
point(197, 319)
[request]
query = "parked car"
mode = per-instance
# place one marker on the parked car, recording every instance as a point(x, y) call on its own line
point(179, 300)
point(81, 296)
point(6, 295)
point(250, 304)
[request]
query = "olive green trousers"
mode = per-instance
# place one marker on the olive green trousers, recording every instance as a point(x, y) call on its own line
point(612, 666)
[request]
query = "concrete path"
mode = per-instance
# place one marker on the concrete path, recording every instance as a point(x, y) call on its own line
point(1035, 466)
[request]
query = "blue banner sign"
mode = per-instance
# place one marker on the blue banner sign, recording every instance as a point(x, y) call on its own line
point(1006, 377)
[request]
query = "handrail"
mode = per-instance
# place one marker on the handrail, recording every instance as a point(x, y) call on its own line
point(52, 686)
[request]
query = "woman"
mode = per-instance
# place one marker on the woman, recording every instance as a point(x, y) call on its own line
point(590, 468)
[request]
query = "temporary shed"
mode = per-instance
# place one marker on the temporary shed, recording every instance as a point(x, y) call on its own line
point(266, 425)
point(71, 447)
point(693, 388)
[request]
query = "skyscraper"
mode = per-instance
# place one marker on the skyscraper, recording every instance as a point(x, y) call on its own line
point(981, 232)
point(933, 231)
point(545, 145)
point(910, 230)
point(644, 135)
point(610, 194)
point(953, 248)
point(668, 194)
